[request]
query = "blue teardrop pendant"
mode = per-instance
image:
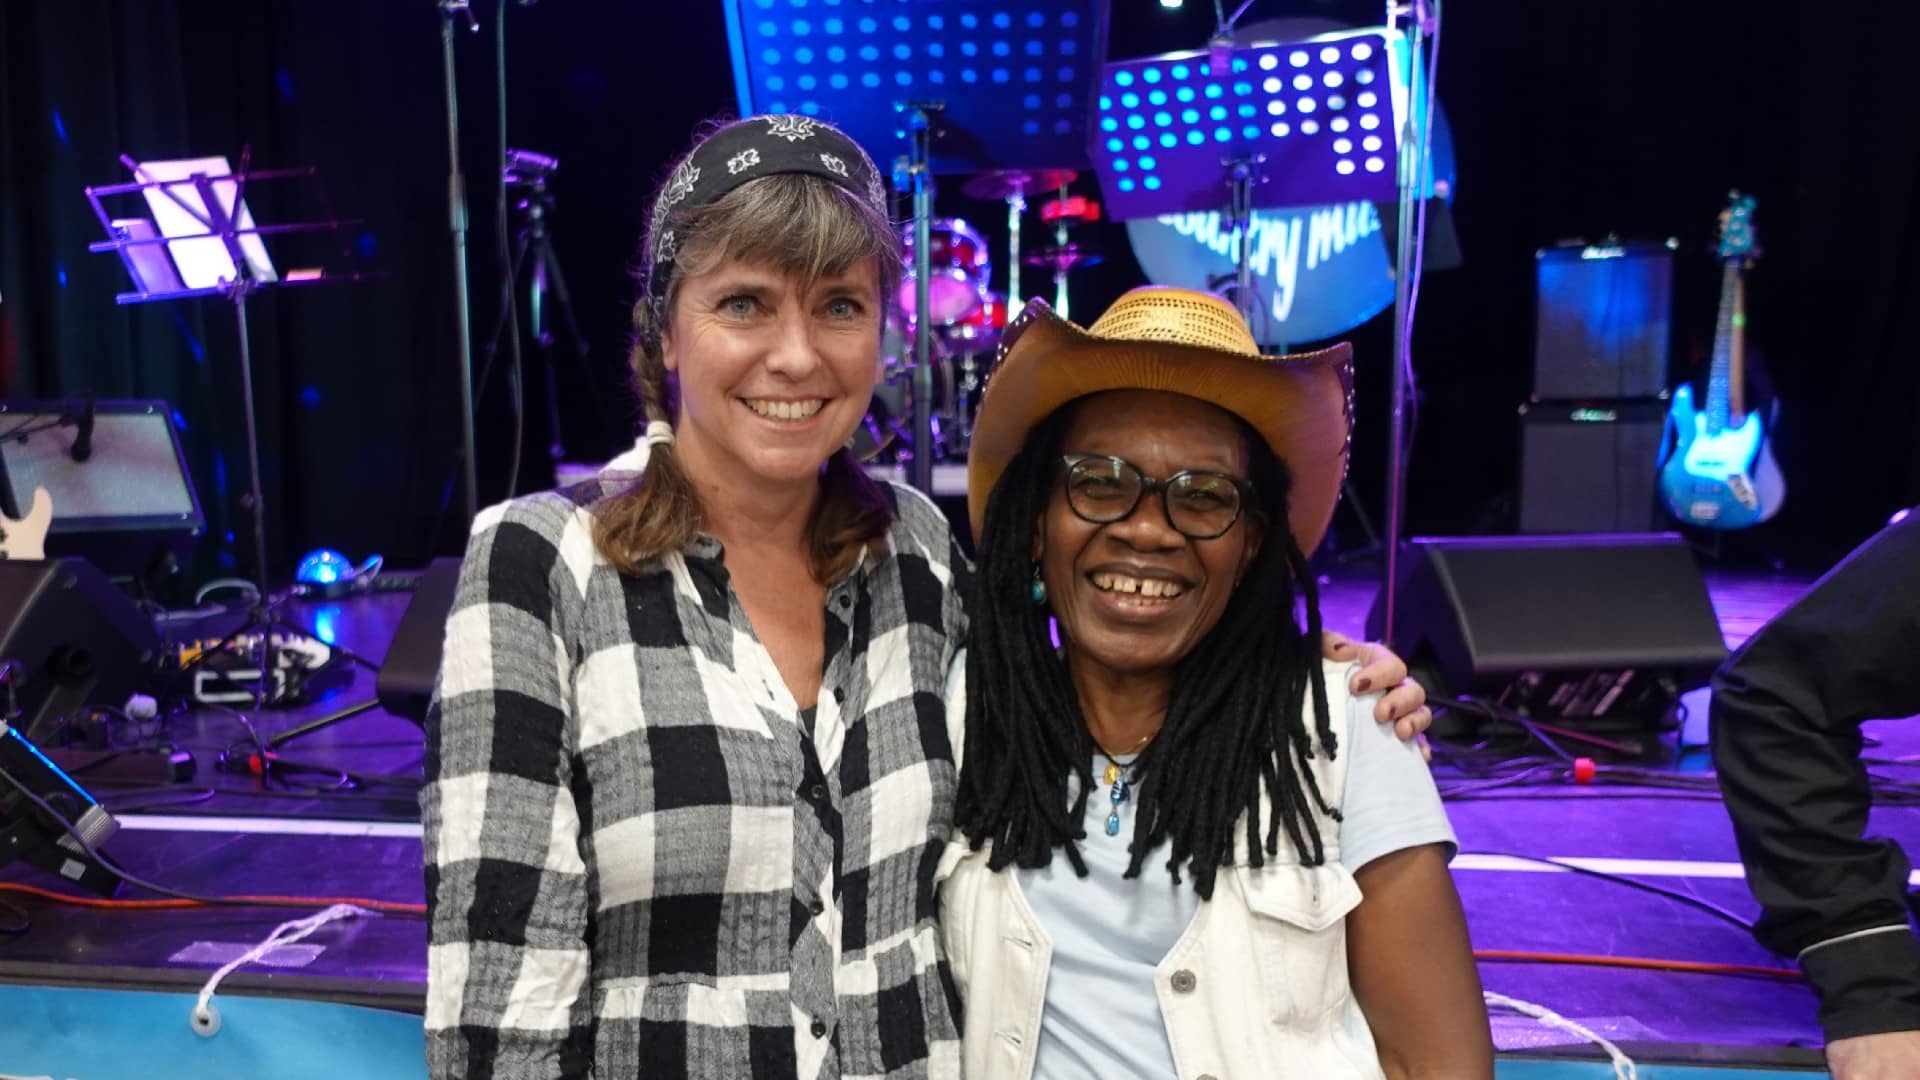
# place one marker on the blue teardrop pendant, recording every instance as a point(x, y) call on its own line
point(1117, 795)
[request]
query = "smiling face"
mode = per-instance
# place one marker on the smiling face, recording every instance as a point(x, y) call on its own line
point(1135, 596)
point(773, 373)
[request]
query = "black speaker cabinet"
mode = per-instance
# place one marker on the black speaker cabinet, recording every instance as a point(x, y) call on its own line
point(405, 685)
point(1603, 321)
point(131, 499)
point(1599, 632)
point(1590, 466)
point(80, 640)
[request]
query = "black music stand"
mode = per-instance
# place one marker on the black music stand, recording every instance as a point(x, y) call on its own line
point(1286, 124)
point(967, 85)
point(1270, 124)
point(208, 218)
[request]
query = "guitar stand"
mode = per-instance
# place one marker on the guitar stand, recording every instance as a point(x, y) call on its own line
point(1716, 548)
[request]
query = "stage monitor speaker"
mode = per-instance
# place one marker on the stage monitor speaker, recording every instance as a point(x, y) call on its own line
point(1603, 321)
point(122, 496)
point(1599, 632)
point(1590, 466)
point(405, 685)
point(79, 638)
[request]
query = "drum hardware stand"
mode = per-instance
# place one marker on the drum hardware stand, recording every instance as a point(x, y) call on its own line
point(920, 174)
point(1016, 207)
point(1060, 272)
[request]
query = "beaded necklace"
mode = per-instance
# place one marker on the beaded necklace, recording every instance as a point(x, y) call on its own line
point(1119, 784)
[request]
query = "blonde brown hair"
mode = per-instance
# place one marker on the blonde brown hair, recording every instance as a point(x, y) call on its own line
point(803, 226)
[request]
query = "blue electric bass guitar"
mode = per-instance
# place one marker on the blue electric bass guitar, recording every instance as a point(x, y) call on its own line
point(1718, 470)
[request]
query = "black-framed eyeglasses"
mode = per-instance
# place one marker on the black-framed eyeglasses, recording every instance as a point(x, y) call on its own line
point(1103, 489)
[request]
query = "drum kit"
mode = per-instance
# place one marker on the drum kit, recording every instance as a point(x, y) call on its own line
point(965, 315)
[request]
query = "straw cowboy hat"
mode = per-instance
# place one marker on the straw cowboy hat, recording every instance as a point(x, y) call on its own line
point(1184, 342)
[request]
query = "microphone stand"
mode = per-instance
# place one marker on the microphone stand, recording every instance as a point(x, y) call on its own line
point(457, 225)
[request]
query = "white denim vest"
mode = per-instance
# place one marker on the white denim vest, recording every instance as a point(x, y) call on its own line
point(1255, 988)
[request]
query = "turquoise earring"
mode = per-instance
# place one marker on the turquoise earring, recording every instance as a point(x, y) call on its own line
point(1038, 591)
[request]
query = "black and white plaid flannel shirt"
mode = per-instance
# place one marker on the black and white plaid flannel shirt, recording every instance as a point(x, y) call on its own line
point(638, 864)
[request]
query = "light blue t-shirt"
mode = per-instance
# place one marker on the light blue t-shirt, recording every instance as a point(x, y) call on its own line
point(1102, 1019)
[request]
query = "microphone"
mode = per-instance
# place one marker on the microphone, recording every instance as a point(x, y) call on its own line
point(83, 438)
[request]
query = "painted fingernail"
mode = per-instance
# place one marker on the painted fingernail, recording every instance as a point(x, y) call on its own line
point(1364, 685)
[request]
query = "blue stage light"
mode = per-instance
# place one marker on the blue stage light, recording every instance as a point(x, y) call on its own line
point(1169, 140)
point(323, 567)
point(1153, 183)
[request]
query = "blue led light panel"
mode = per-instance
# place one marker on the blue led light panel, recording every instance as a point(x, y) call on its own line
point(1323, 112)
point(1015, 77)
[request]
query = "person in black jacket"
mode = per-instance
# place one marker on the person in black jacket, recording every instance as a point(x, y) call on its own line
point(1786, 716)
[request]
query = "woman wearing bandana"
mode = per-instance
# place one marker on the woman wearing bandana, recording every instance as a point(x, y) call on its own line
point(689, 773)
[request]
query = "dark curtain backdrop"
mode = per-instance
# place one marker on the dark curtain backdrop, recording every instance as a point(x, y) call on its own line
point(1570, 120)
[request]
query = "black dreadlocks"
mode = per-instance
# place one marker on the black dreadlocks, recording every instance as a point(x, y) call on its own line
point(1234, 740)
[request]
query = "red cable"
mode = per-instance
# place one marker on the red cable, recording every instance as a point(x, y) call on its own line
point(1697, 967)
point(391, 907)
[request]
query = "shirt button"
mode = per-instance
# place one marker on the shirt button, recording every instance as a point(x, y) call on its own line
point(1184, 982)
point(845, 601)
point(819, 1028)
point(839, 695)
point(817, 792)
point(816, 907)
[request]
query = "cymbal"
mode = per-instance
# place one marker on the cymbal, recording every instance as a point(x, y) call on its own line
point(1011, 182)
point(1064, 257)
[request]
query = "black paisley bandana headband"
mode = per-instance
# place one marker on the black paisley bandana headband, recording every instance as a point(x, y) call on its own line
point(748, 150)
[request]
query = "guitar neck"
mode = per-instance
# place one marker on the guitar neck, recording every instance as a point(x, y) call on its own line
point(1726, 390)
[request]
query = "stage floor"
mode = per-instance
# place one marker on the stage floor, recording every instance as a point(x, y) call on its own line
point(226, 833)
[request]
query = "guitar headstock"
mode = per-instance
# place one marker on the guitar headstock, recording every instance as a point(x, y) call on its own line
point(1736, 228)
point(27, 537)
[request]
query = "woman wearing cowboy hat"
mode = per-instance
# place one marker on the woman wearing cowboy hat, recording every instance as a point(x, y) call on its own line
point(1251, 866)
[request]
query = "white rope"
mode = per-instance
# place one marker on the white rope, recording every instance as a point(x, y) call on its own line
point(205, 1018)
point(1622, 1065)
